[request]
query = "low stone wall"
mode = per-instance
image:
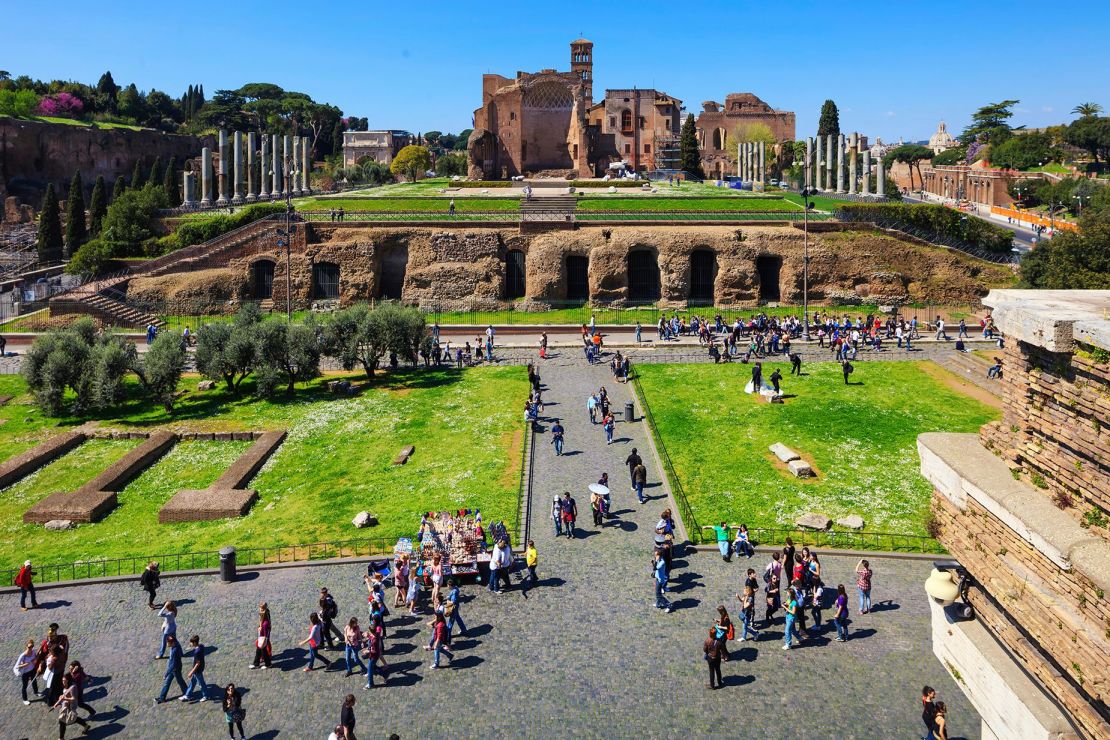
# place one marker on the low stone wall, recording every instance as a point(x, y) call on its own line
point(251, 461)
point(42, 454)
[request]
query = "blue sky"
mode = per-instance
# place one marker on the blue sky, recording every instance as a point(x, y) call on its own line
point(894, 68)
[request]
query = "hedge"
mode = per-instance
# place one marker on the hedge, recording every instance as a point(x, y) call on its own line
point(941, 220)
point(611, 183)
point(200, 230)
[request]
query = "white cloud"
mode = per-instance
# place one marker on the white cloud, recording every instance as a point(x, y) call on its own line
point(1047, 109)
point(890, 114)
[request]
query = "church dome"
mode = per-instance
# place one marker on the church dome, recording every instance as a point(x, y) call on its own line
point(941, 139)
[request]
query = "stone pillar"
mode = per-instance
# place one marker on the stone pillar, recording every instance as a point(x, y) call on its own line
point(306, 163)
point(264, 169)
point(205, 177)
point(286, 165)
point(298, 165)
point(853, 147)
point(818, 165)
point(829, 163)
point(188, 187)
point(763, 161)
point(237, 168)
point(740, 160)
point(750, 159)
point(880, 179)
point(866, 182)
point(807, 171)
point(252, 159)
point(275, 168)
point(840, 163)
point(224, 154)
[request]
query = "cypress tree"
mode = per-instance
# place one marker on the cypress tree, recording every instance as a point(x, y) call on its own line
point(169, 183)
point(49, 240)
point(200, 97)
point(137, 175)
point(689, 154)
point(119, 187)
point(75, 215)
point(830, 120)
point(156, 172)
point(98, 206)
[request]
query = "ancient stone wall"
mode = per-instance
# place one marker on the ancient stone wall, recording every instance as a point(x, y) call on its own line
point(34, 154)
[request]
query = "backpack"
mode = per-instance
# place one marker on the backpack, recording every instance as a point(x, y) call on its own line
point(731, 634)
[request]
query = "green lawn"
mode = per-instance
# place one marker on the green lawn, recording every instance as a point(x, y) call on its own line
point(667, 203)
point(438, 204)
point(820, 202)
point(74, 122)
point(335, 463)
point(861, 438)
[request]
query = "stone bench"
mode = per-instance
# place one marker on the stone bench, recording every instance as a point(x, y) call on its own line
point(38, 456)
point(92, 501)
point(228, 496)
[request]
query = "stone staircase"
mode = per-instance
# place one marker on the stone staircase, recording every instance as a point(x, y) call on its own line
point(547, 213)
point(973, 368)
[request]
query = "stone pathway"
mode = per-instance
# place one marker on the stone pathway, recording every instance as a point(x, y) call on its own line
point(584, 655)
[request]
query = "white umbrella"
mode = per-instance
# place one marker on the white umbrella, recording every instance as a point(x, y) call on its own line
point(599, 489)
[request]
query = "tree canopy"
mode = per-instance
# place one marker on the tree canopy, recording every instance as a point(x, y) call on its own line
point(688, 149)
point(829, 122)
point(411, 162)
point(991, 123)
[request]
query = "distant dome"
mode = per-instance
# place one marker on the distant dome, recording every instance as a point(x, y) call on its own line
point(941, 139)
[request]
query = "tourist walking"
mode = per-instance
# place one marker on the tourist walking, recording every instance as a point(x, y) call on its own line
point(67, 709)
point(263, 649)
point(724, 629)
point(234, 712)
point(660, 577)
point(557, 437)
point(639, 480)
point(840, 615)
point(173, 669)
point(632, 461)
point(531, 560)
point(941, 721)
point(847, 369)
point(196, 673)
point(795, 364)
point(439, 640)
point(863, 585)
point(453, 597)
point(352, 645)
point(313, 642)
point(608, 424)
point(570, 514)
point(791, 608)
point(712, 650)
point(557, 516)
point(24, 580)
point(591, 408)
point(25, 668)
point(150, 581)
point(329, 610)
point(373, 651)
point(747, 613)
point(80, 678)
point(929, 711)
point(168, 613)
point(347, 718)
point(501, 559)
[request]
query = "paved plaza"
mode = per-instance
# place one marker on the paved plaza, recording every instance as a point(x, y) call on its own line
point(584, 655)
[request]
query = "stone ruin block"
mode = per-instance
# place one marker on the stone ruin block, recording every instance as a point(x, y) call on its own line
point(813, 521)
point(404, 455)
point(784, 453)
point(800, 468)
point(42, 454)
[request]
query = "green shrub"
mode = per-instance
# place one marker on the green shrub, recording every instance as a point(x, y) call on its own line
point(941, 220)
point(90, 258)
point(609, 183)
point(200, 230)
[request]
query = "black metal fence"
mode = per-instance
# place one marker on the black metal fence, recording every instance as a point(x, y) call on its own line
point(524, 498)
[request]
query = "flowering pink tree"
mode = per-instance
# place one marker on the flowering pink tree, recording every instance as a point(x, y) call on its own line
point(61, 105)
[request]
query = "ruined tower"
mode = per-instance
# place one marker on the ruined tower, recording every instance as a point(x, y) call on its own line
point(582, 64)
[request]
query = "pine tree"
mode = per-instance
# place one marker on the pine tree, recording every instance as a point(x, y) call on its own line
point(156, 172)
point(137, 175)
point(75, 215)
point(689, 154)
point(830, 120)
point(98, 206)
point(119, 188)
point(169, 183)
point(50, 227)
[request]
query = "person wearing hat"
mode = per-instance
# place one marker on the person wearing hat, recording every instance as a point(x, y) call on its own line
point(24, 580)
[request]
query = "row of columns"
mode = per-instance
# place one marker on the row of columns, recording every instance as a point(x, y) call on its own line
point(283, 165)
point(751, 161)
point(851, 164)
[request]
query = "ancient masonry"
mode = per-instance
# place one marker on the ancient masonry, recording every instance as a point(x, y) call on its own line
point(850, 158)
point(1025, 509)
point(240, 161)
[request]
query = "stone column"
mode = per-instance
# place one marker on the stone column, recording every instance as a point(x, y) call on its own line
point(187, 187)
point(264, 169)
point(807, 171)
point(750, 159)
point(306, 162)
point(237, 168)
point(205, 177)
point(829, 163)
point(840, 163)
point(818, 166)
point(853, 148)
point(252, 159)
point(866, 182)
point(295, 166)
point(275, 168)
point(763, 161)
point(224, 154)
point(286, 185)
point(880, 179)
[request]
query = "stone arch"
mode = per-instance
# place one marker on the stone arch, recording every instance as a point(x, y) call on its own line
point(325, 281)
point(262, 279)
point(391, 271)
point(703, 276)
point(643, 276)
point(769, 269)
point(577, 268)
point(718, 138)
point(515, 284)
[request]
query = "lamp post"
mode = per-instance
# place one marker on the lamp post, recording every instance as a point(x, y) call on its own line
point(285, 238)
point(806, 205)
point(1079, 197)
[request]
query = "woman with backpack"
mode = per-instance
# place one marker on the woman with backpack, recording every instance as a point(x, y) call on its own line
point(234, 712)
point(724, 630)
point(149, 581)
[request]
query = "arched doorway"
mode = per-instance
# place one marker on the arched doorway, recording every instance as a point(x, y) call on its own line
point(325, 281)
point(391, 282)
point(703, 276)
point(262, 280)
point(768, 268)
point(578, 278)
point(643, 277)
point(514, 274)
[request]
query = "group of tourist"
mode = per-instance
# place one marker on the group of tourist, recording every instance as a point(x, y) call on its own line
point(63, 680)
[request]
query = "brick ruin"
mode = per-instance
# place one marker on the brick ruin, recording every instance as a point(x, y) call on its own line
point(1025, 508)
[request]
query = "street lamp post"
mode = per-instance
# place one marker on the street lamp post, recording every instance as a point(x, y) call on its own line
point(285, 238)
point(806, 192)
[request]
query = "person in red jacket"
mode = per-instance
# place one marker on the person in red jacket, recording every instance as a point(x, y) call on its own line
point(24, 580)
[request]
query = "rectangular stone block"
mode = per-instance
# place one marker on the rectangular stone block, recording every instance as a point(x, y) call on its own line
point(192, 505)
point(27, 462)
point(249, 463)
point(800, 469)
point(78, 506)
point(784, 453)
point(404, 455)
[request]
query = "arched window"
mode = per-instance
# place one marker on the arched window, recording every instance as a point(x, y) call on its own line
point(262, 280)
point(626, 120)
point(643, 277)
point(514, 274)
point(325, 281)
point(717, 142)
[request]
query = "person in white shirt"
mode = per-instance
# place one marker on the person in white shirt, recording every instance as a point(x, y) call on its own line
point(25, 668)
point(500, 560)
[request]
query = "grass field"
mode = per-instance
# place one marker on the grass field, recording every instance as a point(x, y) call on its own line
point(861, 439)
point(335, 463)
point(660, 203)
point(74, 122)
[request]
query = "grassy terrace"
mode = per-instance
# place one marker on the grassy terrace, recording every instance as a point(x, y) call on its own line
point(860, 438)
point(335, 463)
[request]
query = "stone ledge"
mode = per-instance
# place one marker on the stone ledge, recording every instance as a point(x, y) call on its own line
point(1053, 319)
point(248, 464)
point(42, 454)
point(198, 505)
point(961, 468)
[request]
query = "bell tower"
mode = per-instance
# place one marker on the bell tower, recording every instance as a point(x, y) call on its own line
point(582, 64)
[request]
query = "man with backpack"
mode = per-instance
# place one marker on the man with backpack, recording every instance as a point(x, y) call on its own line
point(24, 579)
point(329, 610)
point(150, 581)
point(847, 368)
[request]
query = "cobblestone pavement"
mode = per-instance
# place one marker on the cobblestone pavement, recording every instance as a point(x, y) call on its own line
point(584, 654)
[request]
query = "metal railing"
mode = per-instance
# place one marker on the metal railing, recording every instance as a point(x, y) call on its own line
point(846, 540)
point(524, 499)
point(685, 512)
